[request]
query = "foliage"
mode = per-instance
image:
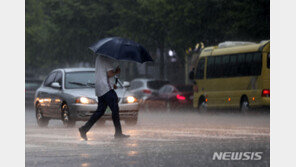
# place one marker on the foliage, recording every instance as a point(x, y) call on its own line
point(59, 32)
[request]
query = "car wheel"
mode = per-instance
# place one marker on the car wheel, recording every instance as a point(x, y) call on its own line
point(131, 122)
point(66, 117)
point(41, 120)
point(244, 106)
point(202, 107)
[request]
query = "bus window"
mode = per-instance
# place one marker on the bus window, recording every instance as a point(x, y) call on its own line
point(256, 64)
point(218, 67)
point(225, 65)
point(233, 66)
point(241, 65)
point(200, 69)
point(248, 64)
point(210, 67)
point(268, 60)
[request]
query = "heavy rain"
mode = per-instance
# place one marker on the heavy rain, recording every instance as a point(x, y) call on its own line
point(191, 78)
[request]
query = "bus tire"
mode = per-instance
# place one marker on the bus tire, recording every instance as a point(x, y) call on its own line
point(244, 105)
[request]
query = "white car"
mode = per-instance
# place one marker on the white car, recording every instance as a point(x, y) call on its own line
point(143, 88)
point(68, 94)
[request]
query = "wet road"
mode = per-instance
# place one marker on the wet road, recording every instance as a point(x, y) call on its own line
point(159, 139)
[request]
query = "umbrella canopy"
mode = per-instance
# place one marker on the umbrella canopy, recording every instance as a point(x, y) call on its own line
point(121, 49)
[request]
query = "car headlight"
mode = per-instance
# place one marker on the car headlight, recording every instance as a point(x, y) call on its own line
point(129, 99)
point(85, 100)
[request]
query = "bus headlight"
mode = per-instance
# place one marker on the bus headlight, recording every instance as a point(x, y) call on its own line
point(85, 100)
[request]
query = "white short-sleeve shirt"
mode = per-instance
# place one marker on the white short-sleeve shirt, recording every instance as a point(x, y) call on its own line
point(103, 83)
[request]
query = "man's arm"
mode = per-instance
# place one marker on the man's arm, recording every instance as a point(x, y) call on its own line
point(111, 73)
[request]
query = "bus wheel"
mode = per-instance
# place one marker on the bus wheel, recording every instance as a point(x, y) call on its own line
point(202, 107)
point(244, 106)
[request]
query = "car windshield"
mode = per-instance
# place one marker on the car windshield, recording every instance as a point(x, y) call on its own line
point(156, 84)
point(77, 80)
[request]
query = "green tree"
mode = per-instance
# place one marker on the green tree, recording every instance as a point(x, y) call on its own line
point(60, 31)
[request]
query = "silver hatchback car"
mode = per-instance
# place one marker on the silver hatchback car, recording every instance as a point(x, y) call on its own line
point(68, 94)
point(143, 88)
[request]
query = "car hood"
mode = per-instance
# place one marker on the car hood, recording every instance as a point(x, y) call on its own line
point(91, 92)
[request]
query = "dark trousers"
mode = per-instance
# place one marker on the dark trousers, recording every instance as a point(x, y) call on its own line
point(108, 99)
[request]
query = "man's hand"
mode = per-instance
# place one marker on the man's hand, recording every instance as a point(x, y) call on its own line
point(117, 70)
point(114, 86)
point(111, 73)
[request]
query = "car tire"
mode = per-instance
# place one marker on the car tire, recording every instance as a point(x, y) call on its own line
point(244, 106)
point(41, 120)
point(131, 122)
point(66, 117)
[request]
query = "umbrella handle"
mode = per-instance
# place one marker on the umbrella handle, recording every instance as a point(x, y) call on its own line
point(116, 79)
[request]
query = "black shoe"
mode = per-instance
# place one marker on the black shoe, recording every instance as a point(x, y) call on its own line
point(82, 133)
point(121, 136)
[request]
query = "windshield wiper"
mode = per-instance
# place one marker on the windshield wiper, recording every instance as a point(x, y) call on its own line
point(90, 84)
point(78, 83)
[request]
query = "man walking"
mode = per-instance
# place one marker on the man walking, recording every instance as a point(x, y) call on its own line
point(104, 72)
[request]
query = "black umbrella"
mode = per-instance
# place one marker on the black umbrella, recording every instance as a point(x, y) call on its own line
point(121, 49)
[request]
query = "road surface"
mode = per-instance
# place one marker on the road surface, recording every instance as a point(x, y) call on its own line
point(159, 139)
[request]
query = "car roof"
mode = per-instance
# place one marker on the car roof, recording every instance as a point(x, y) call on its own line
point(76, 69)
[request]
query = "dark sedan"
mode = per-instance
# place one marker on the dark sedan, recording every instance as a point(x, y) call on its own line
point(171, 97)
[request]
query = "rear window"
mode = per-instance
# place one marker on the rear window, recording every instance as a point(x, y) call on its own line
point(156, 84)
point(185, 88)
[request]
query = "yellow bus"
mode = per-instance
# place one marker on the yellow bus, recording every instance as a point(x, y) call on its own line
point(232, 75)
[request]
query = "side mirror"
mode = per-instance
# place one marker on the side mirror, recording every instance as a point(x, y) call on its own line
point(126, 84)
point(191, 74)
point(56, 85)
